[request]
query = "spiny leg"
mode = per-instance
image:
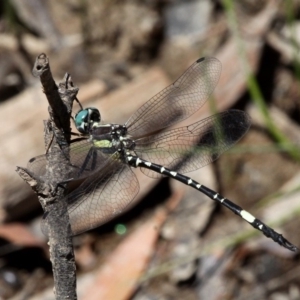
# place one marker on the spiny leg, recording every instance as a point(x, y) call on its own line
point(135, 161)
point(91, 159)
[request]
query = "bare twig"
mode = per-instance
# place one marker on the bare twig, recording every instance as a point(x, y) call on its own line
point(48, 188)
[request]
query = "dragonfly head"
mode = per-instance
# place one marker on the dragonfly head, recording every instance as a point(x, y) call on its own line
point(86, 118)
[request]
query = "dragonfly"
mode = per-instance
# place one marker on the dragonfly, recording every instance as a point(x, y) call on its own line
point(106, 154)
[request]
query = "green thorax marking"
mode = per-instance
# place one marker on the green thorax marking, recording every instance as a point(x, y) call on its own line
point(102, 143)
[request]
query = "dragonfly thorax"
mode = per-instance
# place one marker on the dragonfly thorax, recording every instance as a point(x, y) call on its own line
point(109, 138)
point(112, 138)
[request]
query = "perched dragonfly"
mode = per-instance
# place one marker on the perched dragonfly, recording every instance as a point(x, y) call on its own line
point(106, 153)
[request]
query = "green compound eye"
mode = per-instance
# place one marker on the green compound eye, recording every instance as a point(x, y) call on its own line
point(85, 119)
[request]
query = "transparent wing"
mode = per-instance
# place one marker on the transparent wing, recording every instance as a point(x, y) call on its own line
point(189, 148)
point(84, 160)
point(178, 101)
point(102, 196)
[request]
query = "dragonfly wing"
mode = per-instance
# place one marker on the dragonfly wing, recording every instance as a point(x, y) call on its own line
point(177, 101)
point(37, 165)
point(84, 160)
point(189, 148)
point(102, 196)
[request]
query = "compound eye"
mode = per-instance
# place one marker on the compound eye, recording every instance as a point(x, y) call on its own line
point(94, 115)
point(85, 119)
point(81, 119)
